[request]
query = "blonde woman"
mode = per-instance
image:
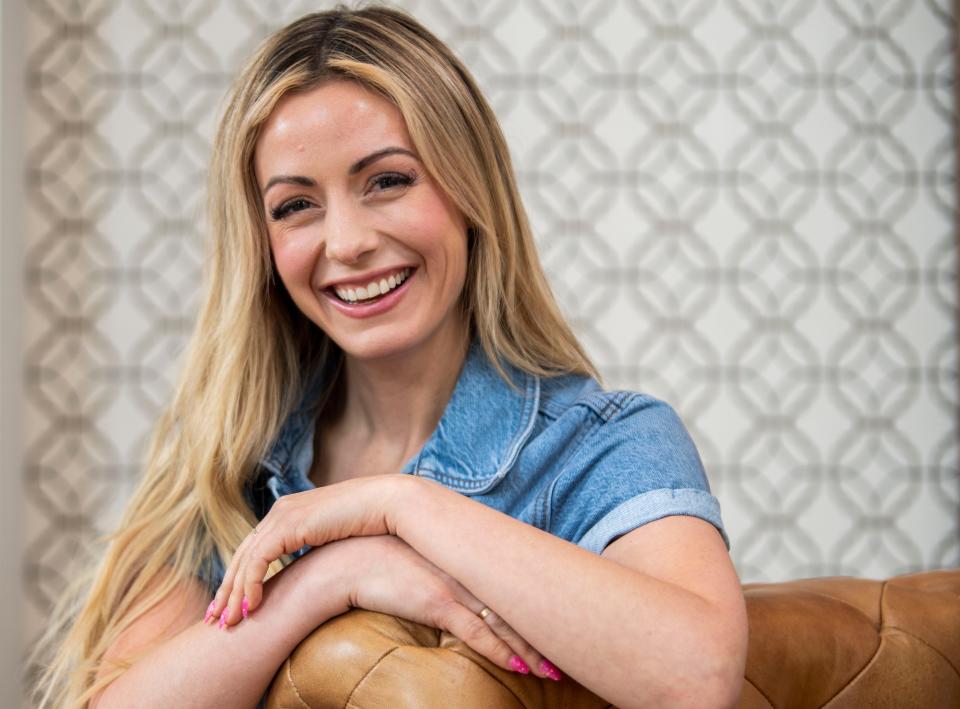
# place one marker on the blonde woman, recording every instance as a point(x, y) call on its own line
point(382, 402)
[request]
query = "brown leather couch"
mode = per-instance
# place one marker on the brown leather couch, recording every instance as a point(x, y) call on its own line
point(838, 642)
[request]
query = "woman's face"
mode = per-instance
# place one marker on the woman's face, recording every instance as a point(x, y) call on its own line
point(351, 214)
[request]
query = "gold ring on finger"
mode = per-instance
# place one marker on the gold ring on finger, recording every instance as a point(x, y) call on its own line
point(484, 612)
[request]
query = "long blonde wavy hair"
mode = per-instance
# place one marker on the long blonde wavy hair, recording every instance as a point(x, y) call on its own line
point(252, 351)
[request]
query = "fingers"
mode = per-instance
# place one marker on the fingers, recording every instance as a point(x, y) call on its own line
point(533, 659)
point(479, 636)
point(218, 611)
point(496, 641)
point(244, 591)
point(241, 590)
point(537, 663)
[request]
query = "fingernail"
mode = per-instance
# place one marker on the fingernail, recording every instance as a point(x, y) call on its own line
point(245, 607)
point(209, 613)
point(518, 665)
point(550, 671)
point(223, 618)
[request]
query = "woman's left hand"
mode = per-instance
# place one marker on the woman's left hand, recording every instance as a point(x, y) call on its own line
point(352, 508)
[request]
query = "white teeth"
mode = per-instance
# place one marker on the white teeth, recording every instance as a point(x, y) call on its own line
point(374, 288)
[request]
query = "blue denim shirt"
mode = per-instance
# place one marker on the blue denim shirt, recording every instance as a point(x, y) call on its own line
point(559, 453)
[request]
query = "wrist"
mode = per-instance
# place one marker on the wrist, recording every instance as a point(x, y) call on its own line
point(318, 585)
point(405, 502)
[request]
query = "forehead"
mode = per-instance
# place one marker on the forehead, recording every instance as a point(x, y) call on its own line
point(335, 123)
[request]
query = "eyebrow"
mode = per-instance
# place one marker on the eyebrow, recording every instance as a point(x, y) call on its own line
point(354, 169)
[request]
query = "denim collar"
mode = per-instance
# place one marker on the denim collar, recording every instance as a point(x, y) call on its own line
point(475, 443)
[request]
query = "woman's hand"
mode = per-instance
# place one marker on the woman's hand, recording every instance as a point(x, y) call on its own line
point(353, 508)
point(385, 574)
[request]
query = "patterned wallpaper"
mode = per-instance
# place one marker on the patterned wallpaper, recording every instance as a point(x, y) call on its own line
point(745, 207)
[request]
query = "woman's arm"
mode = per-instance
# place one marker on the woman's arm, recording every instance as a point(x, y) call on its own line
point(676, 638)
point(657, 620)
point(204, 666)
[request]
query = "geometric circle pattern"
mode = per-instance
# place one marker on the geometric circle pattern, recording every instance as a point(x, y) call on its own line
point(746, 208)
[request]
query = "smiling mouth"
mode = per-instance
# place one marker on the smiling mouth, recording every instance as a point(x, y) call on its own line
point(374, 291)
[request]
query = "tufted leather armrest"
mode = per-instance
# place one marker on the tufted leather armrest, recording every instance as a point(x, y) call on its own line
point(854, 642)
point(851, 642)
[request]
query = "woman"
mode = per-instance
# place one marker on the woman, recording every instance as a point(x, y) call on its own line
point(374, 305)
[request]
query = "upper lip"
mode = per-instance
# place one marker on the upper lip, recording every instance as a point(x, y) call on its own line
point(363, 281)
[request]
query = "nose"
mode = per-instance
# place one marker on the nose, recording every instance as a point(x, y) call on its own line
point(346, 238)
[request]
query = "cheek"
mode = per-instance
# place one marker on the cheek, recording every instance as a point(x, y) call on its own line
point(439, 235)
point(291, 262)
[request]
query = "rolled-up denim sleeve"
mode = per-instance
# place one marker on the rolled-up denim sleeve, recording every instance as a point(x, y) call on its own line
point(638, 466)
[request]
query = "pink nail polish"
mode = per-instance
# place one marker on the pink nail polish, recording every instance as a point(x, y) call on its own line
point(245, 607)
point(550, 671)
point(518, 665)
point(209, 613)
point(223, 618)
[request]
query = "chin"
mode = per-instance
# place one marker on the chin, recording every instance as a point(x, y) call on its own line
point(378, 343)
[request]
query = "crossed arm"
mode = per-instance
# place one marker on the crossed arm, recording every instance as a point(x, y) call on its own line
point(657, 620)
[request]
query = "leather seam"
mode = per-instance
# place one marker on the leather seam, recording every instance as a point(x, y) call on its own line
point(759, 691)
point(365, 675)
point(836, 599)
point(858, 673)
point(384, 656)
point(919, 639)
point(293, 684)
point(492, 676)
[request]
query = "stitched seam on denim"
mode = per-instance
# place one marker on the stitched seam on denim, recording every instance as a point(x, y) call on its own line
point(549, 406)
point(547, 495)
point(293, 684)
point(596, 402)
point(531, 401)
point(459, 483)
point(616, 401)
point(482, 485)
point(607, 414)
point(552, 410)
point(542, 506)
point(551, 395)
point(873, 657)
point(703, 514)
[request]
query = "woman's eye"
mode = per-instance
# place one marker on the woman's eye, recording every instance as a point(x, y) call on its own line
point(287, 208)
point(392, 179)
point(379, 183)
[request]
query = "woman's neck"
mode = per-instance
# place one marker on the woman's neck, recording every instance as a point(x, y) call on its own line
point(392, 405)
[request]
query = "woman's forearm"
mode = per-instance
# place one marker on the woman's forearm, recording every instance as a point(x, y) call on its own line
point(204, 666)
point(631, 638)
